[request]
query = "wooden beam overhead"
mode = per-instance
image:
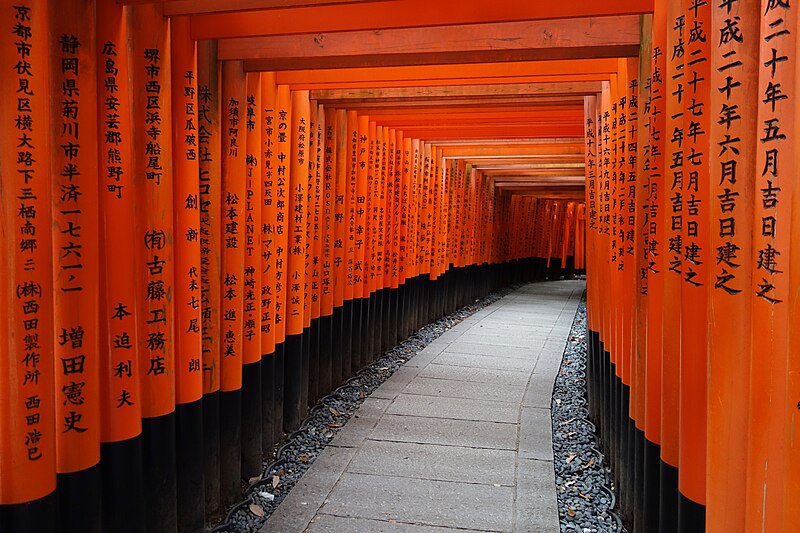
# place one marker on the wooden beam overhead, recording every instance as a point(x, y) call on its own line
point(471, 102)
point(470, 111)
point(450, 81)
point(495, 144)
point(530, 167)
point(566, 179)
point(391, 14)
point(485, 92)
point(517, 115)
point(512, 150)
point(480, 71)
point(581, 38)
point(192, 7)
point(542, 173)
point(504, 132)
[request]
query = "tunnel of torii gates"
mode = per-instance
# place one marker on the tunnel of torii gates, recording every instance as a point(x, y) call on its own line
point(215, 212)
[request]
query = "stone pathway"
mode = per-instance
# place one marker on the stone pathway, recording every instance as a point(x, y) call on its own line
point(458, 439)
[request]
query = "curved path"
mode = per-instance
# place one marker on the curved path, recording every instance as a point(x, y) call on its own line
point(458, 439)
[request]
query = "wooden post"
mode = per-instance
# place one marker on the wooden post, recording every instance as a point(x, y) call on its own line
point(252, 415)
point(771, 249)
point(27, 365)
point(152, 125)
point(297, 166)
point(234, 195)
point(210, 198)
point(734, 86)
point(121, 423)
point(188, 333)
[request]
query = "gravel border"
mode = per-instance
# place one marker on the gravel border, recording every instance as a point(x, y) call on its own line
point(584, 484)
point(300, 449)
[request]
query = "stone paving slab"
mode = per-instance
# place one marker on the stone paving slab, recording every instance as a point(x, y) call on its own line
point(516, 352)
point(491, 362)
point(424, 430)
point(458, 408)
point(465, 389)
point(435, 462)
point(477, 375)
point(421, 501)
point(457, 440)
point(325, 523)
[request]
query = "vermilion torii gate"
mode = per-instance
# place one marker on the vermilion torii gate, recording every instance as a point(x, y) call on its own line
point(215, 212)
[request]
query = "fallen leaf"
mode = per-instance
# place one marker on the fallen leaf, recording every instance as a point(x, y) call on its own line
point(276, 480)
point(256, 509)
point(303, 458)
point(571, 457)
point(254, 480)
point(334, 412)
point(571, 512)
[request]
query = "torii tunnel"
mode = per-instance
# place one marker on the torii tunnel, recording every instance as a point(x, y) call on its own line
point(216, 211)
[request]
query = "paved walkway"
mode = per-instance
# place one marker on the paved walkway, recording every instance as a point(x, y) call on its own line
point(458, 439)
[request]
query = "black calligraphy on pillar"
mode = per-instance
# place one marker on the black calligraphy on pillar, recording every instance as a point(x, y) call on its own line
point(204, 203)
point(281, 204)
point(112, 134)
point(775, 97)
point(28, 290)
point(250, 298)
point(676, 145)
point(232, 212)
point(268, 227)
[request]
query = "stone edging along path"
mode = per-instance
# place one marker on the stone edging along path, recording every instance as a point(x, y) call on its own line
point(584, 484)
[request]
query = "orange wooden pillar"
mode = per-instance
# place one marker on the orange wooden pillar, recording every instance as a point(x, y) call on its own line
point(272, 362)
point(346, 168)
point(424, 227)
point(791, 411)
point(734, 85)
point(188, 332)
point(412, 264)
point(653, 202)
point(628, 135)
point(306, 151)
point(402, 268)
point(234, 193)
point(341, 363)
point(435, 212)
point(74, 164)
point(394, 192)
point(775, 179)
point(327, 356)
point(362, 310)
point(371, 230)
point(672, 222)
point(315, 237)
point(297, 183)
point(152, 124)
point(380, 222)
point(121, 423)
point(252, 345)
point(209, 198)
point(387, 303)
point(345, 158)
point(282, 122)
point(27, 403)
point(696, 262)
